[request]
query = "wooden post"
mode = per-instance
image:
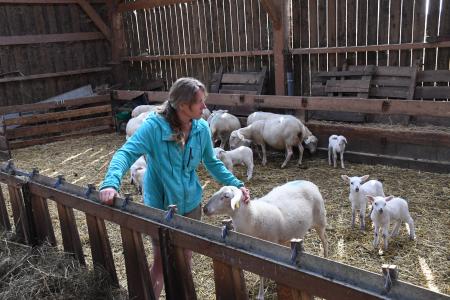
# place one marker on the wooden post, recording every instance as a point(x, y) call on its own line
point(118, 45)
point(229, 282)
point(4, 218)
point(177, 270)
point(100, 247)
point(138, 275)
point(19, 214)
point(69, 232)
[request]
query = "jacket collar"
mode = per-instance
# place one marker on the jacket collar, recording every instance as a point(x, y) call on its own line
point(167, 130)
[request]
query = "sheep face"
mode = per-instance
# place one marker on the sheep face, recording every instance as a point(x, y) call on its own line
point(355, 182)
point(379, 203)
point(236, 140)
point(311, 143)
point(223, 201)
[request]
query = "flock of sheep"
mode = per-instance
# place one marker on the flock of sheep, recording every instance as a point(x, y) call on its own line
point(290, 210)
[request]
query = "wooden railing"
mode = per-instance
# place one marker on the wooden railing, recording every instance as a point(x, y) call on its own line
point(301, 274)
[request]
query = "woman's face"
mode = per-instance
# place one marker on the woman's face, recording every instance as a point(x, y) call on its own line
point(194, 110)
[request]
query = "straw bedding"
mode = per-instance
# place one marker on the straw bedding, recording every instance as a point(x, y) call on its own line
point(424, 262)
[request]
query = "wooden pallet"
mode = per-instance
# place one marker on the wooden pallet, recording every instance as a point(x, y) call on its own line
point(41, 123)
point(238, 82)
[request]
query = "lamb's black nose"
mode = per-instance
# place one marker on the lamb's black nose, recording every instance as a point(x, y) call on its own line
point(381, 210)
point(357, 189)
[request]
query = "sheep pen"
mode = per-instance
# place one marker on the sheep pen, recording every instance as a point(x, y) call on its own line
point(423, 262)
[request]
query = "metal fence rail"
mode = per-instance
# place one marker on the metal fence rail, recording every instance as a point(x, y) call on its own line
point(308, 275)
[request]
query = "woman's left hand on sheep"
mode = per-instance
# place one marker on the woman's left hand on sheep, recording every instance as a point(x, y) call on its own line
point(245, 194)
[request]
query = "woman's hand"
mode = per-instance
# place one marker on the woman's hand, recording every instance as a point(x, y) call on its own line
point(245, 195)
point(107, 196)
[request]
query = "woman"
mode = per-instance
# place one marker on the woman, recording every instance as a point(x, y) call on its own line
point(174, 142)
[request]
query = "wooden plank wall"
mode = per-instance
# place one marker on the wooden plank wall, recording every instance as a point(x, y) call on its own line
point(210, 28)
point(366, 22)
point(49, 58)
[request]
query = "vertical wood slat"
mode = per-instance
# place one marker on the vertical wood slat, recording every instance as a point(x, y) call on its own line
point(406, 32)
point(419, 28)
point(256, 31)
point(42, 220)
point(351, 30)
point(296, 63)
point(361, 38)
point(178, 280)
point(444, 30)
point(229, 282)
point(372, 19)
point(331, 42)
point(19, 214)
point(4, 218)
point(100, 246)
point(383, 28)
point(322, 33)
point(69, 232)
point(138, 275)
point(287, 293)
point(304, 43)
point(394, 32)
point(429, 62)
point(341, 30)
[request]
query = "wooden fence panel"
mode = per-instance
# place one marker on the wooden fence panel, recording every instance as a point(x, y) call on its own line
point(69, 232)
point(21, 222)
point(229, 282)
point(138, 276)
point(100, 246)
point(42, 221)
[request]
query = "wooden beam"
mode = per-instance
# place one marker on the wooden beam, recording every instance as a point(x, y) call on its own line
point(141, 4)
point(57, 74)
point(274, 10)
point(90, 11)
point(405, 46)
point(49, 38)
point(197, 55)
point(375, 106)
point(47, 1)
point(280, 35)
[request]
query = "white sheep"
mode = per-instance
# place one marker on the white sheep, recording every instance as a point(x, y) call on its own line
point(386, 210)
point(359, 189)
point(240, 155)
point(279, 133)
point(336, 144)
point(286, 212)
point(222, 124)
point(309, 139)
point(143, 108)
point(134, 123)
point(137, 171)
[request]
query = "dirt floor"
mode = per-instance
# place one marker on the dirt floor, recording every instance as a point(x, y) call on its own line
point(424, 262)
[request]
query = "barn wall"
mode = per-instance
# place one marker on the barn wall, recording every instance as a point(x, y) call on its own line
point(50, 58)
point(216, 27)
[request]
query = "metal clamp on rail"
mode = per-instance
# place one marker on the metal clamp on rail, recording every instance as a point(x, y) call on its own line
point(90, 189)
point(390, 274)
point(227, 226)
point(126, 201)
point(172, 209)
point(10, 168)
point(59, 181)
point(296, 247)
point(34, 172)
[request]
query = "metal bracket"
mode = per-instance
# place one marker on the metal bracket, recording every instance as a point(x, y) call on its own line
point(172, 209)
point(227, 226)
point(10, 168)
point(390, 274)
point(90, 189)
point(59, 181)
point(126, 201)
point(34, 172)
point(296, 248)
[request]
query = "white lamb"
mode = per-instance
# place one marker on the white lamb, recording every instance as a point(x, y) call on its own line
point(386, 210)
point(137, 171)
point(222, 124)
point(143, 108)
point(358, 192)
point(309, 139)
point(240, 155)
point(336, 144)
point(280, 133)
point(286, 212)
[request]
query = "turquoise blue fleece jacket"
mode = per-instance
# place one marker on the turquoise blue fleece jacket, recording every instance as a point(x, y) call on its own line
point(171, 176)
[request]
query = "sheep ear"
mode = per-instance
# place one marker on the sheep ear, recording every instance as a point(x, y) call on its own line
point(345, 178)
point(387, 199)
point(370, 198)
point(345, 140)
point(235, 202)
point(240, 136)
point(364, 178)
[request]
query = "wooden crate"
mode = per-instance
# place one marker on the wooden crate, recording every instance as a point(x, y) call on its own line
point(45, 122)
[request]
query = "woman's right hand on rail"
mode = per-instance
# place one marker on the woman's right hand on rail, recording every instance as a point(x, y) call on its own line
point(107, 195)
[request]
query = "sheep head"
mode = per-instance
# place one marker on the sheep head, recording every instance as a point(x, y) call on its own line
point(224, 201)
